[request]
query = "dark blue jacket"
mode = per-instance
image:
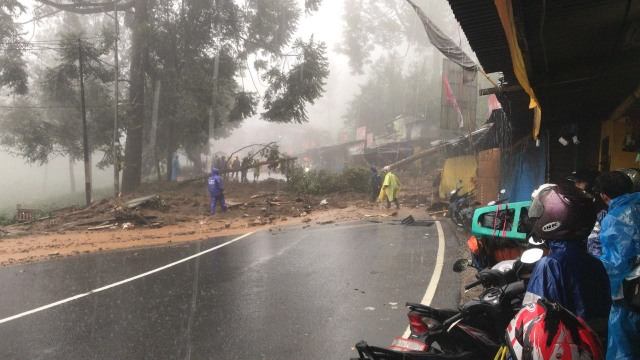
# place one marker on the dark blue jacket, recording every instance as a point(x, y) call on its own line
point(215, 183)
point(375, 178)
point(573, 278)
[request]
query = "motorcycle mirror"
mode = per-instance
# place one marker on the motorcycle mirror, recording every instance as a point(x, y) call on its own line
point(492, 202)
point(503, 191)
point(535, 242)
point(460, 265)
point(531, 256)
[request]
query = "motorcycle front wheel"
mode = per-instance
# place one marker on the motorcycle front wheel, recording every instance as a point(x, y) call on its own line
point(457, 218)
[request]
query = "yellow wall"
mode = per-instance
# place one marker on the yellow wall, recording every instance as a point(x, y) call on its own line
point(616, 131)
point(463, 168)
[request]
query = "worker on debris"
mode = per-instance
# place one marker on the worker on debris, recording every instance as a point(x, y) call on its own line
point(390, 188)
point(244, 165)
point(216, 190)
point(235, 169)
point(375, 183)
point(256, 173)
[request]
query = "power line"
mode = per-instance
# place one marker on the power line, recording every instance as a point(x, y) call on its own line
point(51, 107)
point(54, 41)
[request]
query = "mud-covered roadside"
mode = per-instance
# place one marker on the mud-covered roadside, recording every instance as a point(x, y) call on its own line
point(180, 212)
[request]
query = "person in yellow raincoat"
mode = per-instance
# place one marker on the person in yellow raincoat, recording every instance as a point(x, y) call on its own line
point(390, 188)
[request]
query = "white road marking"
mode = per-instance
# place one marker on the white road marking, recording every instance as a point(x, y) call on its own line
point(435, 277)
point(119, 282)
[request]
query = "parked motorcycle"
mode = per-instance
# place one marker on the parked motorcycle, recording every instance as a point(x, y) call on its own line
point(460, 206)
point(475, 330)
point(501, 199)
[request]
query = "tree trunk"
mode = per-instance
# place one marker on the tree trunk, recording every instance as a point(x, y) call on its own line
point(72, 176)
point(132, 172)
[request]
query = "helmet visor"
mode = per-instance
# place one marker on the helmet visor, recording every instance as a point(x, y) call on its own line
point(536, 208)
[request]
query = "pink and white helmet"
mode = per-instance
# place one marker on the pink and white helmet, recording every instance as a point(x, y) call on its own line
point(546, 331)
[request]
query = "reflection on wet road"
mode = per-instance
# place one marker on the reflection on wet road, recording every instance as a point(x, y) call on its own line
point(310, 292)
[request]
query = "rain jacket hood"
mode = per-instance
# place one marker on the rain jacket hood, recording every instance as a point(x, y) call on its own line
point(215, 183)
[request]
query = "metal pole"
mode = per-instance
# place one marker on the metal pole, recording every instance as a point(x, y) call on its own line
point(85, 138)
point(116, 140)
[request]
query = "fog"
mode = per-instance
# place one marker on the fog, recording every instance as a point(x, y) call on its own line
point(33, 185)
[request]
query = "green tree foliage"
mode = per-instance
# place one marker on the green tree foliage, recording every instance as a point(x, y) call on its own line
point(27, 134)
point(288, 94)
point(13, 68)
point(389, 92)
point(322, 182)
point(177, 44)
point(371, 25)
point(49, 123)
point(387, 40)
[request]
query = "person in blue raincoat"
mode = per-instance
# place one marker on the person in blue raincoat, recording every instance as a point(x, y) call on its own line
point(569, 275)
point(620, 238)
point(175, 168)
point(216, 190)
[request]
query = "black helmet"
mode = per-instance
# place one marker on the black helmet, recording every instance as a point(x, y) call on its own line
point(562, 212)
point(634, 175)
point(585, 176)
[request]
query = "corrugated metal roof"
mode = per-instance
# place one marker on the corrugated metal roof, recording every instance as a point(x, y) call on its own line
point(582, 55)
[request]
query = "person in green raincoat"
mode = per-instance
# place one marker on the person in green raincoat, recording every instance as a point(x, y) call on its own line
point(390, 188)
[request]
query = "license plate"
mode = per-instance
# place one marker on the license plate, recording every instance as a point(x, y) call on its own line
point(402, 344)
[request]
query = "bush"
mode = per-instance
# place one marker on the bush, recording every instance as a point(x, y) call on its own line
point(5, 219)
point(322, 182)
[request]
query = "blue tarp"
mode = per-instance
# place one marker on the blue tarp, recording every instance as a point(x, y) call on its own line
point(526, 171)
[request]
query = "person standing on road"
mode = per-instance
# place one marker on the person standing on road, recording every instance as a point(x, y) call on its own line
point(390, 188)
point(216, 190)
point(375, 183)
point(175, 168)
point(570, 276)
point(620, 238)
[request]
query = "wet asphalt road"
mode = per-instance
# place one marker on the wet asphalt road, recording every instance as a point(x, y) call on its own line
point(287, 294)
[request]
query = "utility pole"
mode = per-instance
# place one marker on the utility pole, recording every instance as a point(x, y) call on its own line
point(212, 110)
point(154, 122)
point(85, 138)
point(116, 137)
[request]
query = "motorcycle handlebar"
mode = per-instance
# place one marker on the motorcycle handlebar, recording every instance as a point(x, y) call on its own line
point(447, 323)
point(473, 284)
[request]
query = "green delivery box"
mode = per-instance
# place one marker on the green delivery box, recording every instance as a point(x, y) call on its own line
point(507, 221)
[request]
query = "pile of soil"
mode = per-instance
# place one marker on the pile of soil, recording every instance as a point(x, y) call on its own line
point(164, 213)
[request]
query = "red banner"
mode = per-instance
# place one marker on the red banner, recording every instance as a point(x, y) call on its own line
point(449, 94)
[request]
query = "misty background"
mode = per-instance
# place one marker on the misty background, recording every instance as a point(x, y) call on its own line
point(46, 186)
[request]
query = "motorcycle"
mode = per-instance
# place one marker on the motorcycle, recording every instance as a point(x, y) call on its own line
point(501, 199)
point(460, 207)
point(475, 330)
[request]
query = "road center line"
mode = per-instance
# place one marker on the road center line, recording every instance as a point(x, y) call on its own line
point(435, 277)
point(120, 282)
